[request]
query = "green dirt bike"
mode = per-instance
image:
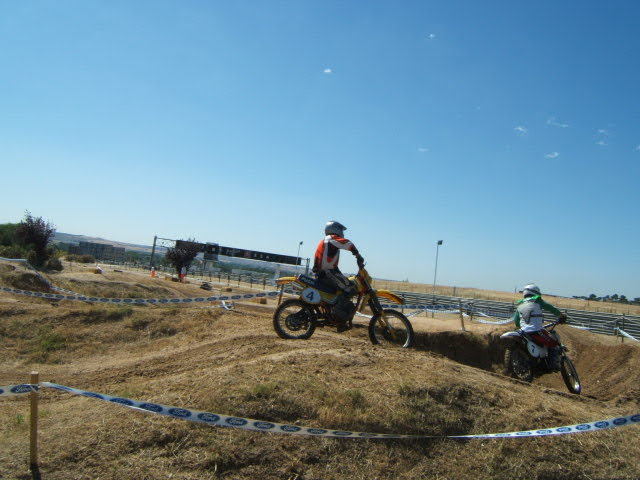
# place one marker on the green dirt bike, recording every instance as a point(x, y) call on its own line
point(317, 305)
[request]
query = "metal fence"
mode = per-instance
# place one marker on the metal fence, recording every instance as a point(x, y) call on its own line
point(598, 322)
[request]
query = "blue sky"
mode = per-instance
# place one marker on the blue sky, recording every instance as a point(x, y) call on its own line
point(508, 129)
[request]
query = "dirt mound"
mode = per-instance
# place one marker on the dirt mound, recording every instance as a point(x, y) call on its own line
point(18, 277)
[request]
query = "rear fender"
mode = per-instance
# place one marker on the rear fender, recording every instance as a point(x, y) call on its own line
point(510, 336)
point(390, 295)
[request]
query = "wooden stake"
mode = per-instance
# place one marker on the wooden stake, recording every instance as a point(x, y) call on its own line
point(281, 292)
point(461, 317)
point(33, 447)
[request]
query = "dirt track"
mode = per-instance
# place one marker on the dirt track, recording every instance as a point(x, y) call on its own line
point(233, 363)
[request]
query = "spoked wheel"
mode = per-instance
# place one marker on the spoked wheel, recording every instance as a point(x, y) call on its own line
point(517, 363)
point(569, 375)
point(391, 327)
point(294, 319)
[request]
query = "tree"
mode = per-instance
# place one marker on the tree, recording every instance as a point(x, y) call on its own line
point(35, 233)
point(182, 254)
point(8, 234)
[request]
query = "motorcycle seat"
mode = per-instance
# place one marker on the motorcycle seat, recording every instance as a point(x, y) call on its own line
point(318, 284)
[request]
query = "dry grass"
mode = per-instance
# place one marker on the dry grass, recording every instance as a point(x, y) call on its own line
point(232, 362)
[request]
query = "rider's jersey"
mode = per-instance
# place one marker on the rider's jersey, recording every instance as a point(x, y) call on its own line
point(328, 252)
point(528, 314)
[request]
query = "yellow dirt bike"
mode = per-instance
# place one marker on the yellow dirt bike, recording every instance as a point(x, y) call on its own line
point(317, 306)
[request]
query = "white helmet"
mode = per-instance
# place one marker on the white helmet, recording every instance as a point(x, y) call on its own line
point(334, 228)
point(530, 290)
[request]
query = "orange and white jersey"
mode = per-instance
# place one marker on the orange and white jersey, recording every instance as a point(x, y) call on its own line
point(328, 252)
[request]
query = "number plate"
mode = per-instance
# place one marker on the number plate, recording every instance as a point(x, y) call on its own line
point(311, 295)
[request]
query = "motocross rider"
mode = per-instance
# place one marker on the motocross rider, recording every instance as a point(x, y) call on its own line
point(528, 317)
point(325, 266)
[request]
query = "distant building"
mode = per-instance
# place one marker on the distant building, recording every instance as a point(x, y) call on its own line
point(101, 251)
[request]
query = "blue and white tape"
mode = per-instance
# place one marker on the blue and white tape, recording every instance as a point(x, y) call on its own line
point(18, 389)
point(15, 260)
point(69, 292)
point(489, 322)
point(220, 420)
point(622, 332)
point(139, 301)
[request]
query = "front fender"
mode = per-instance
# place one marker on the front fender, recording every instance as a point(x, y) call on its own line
point(390, 295)
point(285, 280)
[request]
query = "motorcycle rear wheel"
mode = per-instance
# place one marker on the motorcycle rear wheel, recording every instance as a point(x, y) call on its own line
point(294, 319)
point(570, 375)
point(518, 363)
point(394, 329)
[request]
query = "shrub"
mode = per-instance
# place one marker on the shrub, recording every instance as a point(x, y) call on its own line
point(80, 258)
point(12, 251)
point(54, 264)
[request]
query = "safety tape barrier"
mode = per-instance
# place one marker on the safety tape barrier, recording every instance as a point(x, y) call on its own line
point(139, 301)
point(69, 295)
point(220, 420)
point(489, 322)
point(622, 332)
point(69, 292)
point(490, 313)
point(18, 389)
point(16, 260)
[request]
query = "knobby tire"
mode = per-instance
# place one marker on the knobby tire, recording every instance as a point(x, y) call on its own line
point(402, 328)
point(518, 363)
point(570, 375)
point(293, 315)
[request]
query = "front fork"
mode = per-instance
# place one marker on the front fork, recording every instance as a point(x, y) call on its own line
point(376, 308)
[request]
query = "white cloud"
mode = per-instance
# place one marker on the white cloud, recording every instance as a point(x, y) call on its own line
point(602, 131)
point(423, 149)
point(520, 130)
point(602, 143)
point(431, 36)
point(327, 71)
point(637, 149)
point(552, 155)
point(555, 123)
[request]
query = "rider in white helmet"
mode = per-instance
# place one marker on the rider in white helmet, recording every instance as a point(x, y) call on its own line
point(325, 264)
point(528, 317)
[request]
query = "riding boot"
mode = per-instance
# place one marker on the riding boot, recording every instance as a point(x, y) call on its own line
point(343, 303)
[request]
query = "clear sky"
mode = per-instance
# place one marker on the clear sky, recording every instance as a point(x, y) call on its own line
point(508, 129)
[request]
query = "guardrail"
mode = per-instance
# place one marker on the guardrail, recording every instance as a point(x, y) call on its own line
point(598, 322)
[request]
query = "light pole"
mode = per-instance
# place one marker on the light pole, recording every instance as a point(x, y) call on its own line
point(298, 255)
point(435, 271)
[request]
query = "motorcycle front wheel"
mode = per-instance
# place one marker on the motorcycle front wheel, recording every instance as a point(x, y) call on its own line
point(570, 375)
point(294, 319)
point(391, 327)
point(517, 363)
